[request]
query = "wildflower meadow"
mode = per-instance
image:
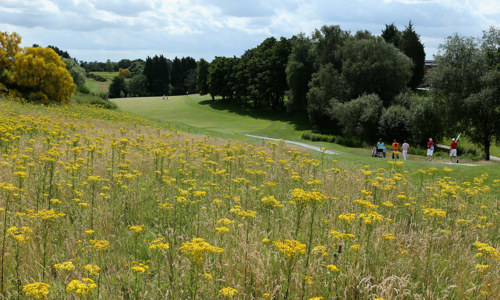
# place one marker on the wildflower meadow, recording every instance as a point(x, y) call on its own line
point(97, 204)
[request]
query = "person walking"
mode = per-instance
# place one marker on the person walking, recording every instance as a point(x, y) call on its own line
point(380, 148)
point(453, 150)
point(395, 149)
point(405, 148)
point(430, 149)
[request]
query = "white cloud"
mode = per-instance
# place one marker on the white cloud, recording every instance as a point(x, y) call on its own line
point(91, 29)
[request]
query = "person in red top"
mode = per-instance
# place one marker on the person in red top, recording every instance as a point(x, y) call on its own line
point(453, 150)
point(430, 149)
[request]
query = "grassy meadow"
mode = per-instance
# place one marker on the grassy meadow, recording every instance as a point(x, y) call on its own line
point(100, 204)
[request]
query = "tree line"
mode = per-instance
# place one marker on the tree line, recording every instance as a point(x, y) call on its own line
point(360, 86)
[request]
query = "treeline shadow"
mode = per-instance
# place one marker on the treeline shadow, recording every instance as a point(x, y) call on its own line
point(300, 121)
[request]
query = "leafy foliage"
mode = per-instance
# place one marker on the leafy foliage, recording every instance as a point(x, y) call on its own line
point(373, 66)
point(466, 80)
point(39, 75)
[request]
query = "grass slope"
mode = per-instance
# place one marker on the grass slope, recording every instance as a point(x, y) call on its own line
point(198, 114)
point(98, 204)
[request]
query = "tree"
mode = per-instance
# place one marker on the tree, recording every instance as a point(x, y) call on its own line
point(157, 70)
point(118, 87)
point(77, 72)
point(327, 83)
point(110, 67)
point(221, 77)
point(124, 72)
point(39, 75)
point(202, 78)
point(125, 63)
point(9, 47)
point(392, 35)
point(299, 70)
point(374, 66)
point(138, 85)
point(393, 123)
point(327, 87)
point(360, 116)
point(466, 81)
point(425, 121)
point(411, 46)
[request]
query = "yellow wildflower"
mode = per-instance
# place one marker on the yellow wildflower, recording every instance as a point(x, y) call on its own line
point(67, 266)
point(82, 287)
point(36, 290)
point(228, 291)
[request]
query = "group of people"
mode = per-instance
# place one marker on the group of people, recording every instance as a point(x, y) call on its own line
point(380, 150)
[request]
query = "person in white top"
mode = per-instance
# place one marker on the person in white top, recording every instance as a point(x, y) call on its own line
point(405, 148)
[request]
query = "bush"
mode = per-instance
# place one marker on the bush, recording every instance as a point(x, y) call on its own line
point(308, 135)
point(96, 77)
point(93, 99)
point(349, 141)
point(83, 89)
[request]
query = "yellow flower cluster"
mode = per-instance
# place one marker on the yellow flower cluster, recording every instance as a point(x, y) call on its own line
point(36, 290)
point(485, 248)
point(46, 214)
point(388, 236)
point(271, 201)
point(99, 245)
point(81, 287)
point(140, 268)
point(339, 236)
point(290, 248)
point(66, 266)
point(19, 235)
point(434, 212)
point(332, 268)
point(228, 291)
point(136, 228)
point(198, 248)
point(158, 244)
point(244, 214)
point(93, 270)
point(305, 198)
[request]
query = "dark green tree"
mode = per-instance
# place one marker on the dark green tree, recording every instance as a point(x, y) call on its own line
point(392, 35)
point(124, 64)
point(393, 123)
point(299, 69)
point(110, 67)
point(138, 85)
point(118, 87)
point(425, 121)
point(414, 49)
point(327, 87)
point(359, 117)
point(374, 66)
point(221, 77)
point(157, 72)
point(202, 78)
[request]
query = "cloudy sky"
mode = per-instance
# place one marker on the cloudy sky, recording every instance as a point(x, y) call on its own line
point(97, 30)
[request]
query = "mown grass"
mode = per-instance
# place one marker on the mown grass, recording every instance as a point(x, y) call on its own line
point(100, 204)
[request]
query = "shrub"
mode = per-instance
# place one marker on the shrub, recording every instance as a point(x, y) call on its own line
point(308, 135)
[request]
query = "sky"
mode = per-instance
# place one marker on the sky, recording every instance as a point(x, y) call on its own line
point(98, 30)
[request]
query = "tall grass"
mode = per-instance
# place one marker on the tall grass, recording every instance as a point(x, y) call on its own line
point(99, 203)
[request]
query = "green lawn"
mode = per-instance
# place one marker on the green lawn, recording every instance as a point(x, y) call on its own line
point(198, 114)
